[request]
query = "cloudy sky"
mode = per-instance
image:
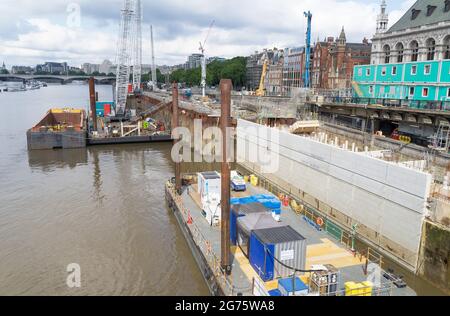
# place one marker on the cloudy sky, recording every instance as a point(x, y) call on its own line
point(33, 32)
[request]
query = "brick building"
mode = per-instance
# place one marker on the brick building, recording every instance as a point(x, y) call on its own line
point(334, 60)
point(274, 79)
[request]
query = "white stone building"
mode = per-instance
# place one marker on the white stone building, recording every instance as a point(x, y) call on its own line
point(422, 34)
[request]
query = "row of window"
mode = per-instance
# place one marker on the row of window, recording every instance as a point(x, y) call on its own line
point(412, 91)
point(427, 71)
point(414, 47)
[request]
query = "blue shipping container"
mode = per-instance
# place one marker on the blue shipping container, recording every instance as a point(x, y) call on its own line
point(283, 244)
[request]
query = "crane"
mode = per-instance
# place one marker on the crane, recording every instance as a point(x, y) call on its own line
point(202, 50)
point(154, 78)
point(137, 48)
point(307, 74)
point(129, 50)
point(261, 91)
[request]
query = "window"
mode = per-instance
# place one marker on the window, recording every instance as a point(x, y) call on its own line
point(414, 70)
point(411, 91)
point(431, 48)
point(427, 69)
point(414, 46)
point(394, 71)
point(448, 93)
point(383, 71)
point(447, 45)
point(382, 89)
point(425, 92)
point(447, 6)
point(400, 52)
point(430, 9)
point(415, 14)
point(368, 71)
point(387, 54)
point(392, 90)
point(360, 72)
point(371, 89)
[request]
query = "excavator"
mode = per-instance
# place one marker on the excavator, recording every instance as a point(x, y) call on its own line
point(261, 91)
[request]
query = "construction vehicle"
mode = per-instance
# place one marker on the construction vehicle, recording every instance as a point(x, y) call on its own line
point(261, 91)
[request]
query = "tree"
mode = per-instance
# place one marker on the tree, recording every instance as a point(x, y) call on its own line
point(111, 74)
point(4, 72)
point(234, 69)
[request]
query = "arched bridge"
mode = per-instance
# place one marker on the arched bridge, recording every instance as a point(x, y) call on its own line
point(63, 79)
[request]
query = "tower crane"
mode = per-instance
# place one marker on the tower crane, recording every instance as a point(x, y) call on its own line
point(307, 74)
point(137, 47)
point(202, 50)
point(129, 51)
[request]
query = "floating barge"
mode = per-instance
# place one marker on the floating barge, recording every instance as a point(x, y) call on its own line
point(204, 241)
point(60, 128)
point(67, 129)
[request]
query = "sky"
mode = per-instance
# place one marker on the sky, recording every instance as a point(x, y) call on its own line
point(33, 32)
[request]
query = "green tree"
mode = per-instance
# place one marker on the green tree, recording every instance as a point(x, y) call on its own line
point(4, 72)
point(234, 69)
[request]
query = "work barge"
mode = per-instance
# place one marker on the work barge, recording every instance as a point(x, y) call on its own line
point(318, 264)
point(67, 128)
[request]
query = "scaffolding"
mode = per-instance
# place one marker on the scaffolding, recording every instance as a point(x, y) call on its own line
point(441, 140)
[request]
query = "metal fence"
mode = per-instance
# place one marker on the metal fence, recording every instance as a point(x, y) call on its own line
point(396, 103)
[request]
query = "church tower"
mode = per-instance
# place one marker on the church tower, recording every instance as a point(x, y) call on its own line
point(382, 19)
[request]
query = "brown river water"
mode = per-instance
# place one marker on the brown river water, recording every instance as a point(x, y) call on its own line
point(102, 208)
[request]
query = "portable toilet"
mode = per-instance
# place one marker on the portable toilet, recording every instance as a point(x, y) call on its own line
point(273, 250)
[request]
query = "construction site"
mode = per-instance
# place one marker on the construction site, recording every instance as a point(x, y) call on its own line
point(355, 197)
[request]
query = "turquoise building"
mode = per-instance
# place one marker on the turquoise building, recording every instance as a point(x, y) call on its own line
point(413, 81)
point(410, 61)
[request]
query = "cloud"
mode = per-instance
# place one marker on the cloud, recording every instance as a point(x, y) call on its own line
point(32, 32)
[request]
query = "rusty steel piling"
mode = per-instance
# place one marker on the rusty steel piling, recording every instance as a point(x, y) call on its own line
point(225, 88)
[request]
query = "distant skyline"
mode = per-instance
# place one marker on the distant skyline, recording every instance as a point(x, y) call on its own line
point(33, 32)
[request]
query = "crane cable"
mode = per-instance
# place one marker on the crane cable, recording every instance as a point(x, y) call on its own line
point(289, 267)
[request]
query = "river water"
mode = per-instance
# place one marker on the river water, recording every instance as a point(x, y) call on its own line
point(102, 208)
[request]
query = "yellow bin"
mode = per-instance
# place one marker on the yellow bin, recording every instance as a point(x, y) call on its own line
point(351, 289)
point(254, 180)
point(368, 288)
point(247, 179)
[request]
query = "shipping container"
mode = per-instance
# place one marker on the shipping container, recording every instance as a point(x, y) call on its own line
point(240, 210)
point(272, 249)
point(247, 224)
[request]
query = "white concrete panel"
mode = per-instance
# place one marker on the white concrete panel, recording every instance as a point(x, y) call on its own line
point(385, 197)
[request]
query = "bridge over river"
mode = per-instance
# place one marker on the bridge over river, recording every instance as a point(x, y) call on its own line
point(61, 78)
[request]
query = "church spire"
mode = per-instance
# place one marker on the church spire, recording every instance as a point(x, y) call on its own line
point(382, 19)
point(342, 37)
